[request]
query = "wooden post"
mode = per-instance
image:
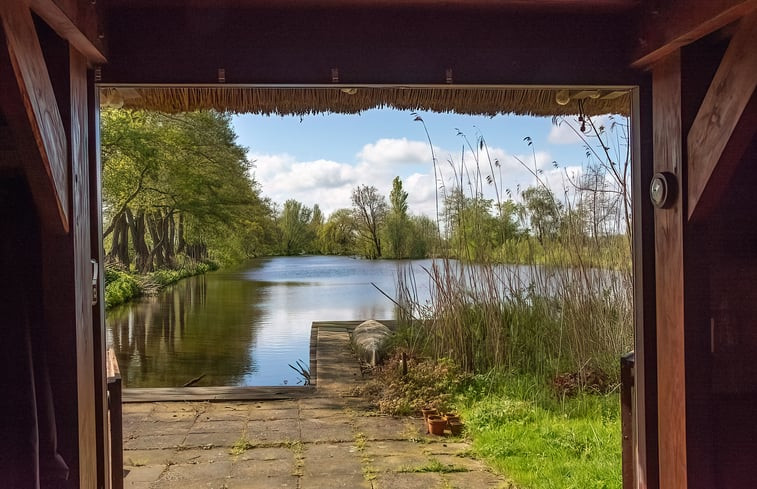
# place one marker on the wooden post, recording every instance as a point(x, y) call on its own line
point(626, 418)
point(645, 325)
point(669, 267)
point(115, 407)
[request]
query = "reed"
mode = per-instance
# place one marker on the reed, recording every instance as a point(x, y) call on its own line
point(566, 303)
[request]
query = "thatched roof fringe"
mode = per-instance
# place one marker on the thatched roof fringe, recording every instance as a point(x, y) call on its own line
point(303, 101)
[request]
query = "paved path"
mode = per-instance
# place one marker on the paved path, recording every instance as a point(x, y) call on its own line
point(328, 440)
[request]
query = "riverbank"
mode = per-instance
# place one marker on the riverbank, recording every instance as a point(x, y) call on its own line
point(122, 287)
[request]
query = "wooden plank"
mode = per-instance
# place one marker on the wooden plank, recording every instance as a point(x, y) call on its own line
point(644, 295)
point(97, 251)
point(113, 372)
point(80, 222)
point(728, 96)
point(216, 393)
point(36, 92)
point(76, 22)
point(671, 378)
point(670, 25)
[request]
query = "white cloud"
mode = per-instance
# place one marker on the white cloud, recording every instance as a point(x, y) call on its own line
point(564, 133)
point(330, 183)
point(568, 131)
point(391, 151)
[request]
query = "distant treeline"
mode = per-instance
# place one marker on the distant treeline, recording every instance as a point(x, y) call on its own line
point(178, 190)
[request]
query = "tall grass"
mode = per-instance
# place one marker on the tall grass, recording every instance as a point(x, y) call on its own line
point(566, 306)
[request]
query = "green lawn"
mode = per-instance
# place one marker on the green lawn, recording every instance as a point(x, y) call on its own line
point(540, 442)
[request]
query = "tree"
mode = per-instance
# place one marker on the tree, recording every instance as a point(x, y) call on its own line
point(338, 234)
point(423, 238)
point(174, 185)
point(294, 225)
point(314, 229)
point(369, 210)
point(543, 212)
point(397, 224)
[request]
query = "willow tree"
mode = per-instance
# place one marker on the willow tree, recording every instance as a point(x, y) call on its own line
point(173, 185)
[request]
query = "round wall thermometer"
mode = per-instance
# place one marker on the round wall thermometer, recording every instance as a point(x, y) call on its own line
point(662, 190)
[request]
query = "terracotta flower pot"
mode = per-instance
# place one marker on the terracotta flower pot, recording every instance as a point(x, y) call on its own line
point(455, 427)
point(451, 417)
point(427, 411)
point(436, 425)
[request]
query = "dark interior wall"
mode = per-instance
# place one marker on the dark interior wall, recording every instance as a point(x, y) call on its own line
point(732, 330)
point(29, 452)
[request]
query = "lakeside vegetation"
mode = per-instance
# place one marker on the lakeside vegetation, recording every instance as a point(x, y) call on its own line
point(536, 347)
point(528, 355)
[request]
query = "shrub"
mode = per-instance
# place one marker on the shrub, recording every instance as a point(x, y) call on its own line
point(427, 383)
point(120, 287)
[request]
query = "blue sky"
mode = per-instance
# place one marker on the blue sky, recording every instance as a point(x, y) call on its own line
point(321, 158)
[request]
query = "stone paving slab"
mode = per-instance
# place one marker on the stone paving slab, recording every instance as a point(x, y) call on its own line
point(327, 440)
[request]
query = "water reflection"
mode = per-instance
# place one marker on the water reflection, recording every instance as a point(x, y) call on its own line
point(245, 327)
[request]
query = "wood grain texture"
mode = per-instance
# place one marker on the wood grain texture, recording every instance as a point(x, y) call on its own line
point(671, 378)
point(80, 230)
point(98, 310)
point(667, 26)
point(76, 22)
point(727, 98)
point(644, 298)
point(37, 95)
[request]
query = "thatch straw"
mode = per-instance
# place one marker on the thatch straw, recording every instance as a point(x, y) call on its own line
point(302, 101)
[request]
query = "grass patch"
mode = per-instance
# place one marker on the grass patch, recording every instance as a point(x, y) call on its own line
point(544, 442)
point(240, 446)
point(122, 286)
point(433, 466)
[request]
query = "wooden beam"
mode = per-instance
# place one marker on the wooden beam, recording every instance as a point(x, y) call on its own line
point(671, 378)
point(727, 98)
point(76, 22)
point(36, 92)
point(301, 45)
point(677, 23)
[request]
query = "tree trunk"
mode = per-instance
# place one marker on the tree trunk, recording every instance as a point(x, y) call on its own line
point(181, 242)
point(137, 227)
point(154, 225)
point(119, 250)
point(169, 232)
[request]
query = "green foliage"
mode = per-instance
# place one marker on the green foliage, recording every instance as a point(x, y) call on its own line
point(397, 225)
point(295, 228)
point(178, 185)
point(339, 233)
point(540, 441)
point(369, 211)
point(120, 287)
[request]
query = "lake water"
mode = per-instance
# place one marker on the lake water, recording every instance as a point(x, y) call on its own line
point(244, 327)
